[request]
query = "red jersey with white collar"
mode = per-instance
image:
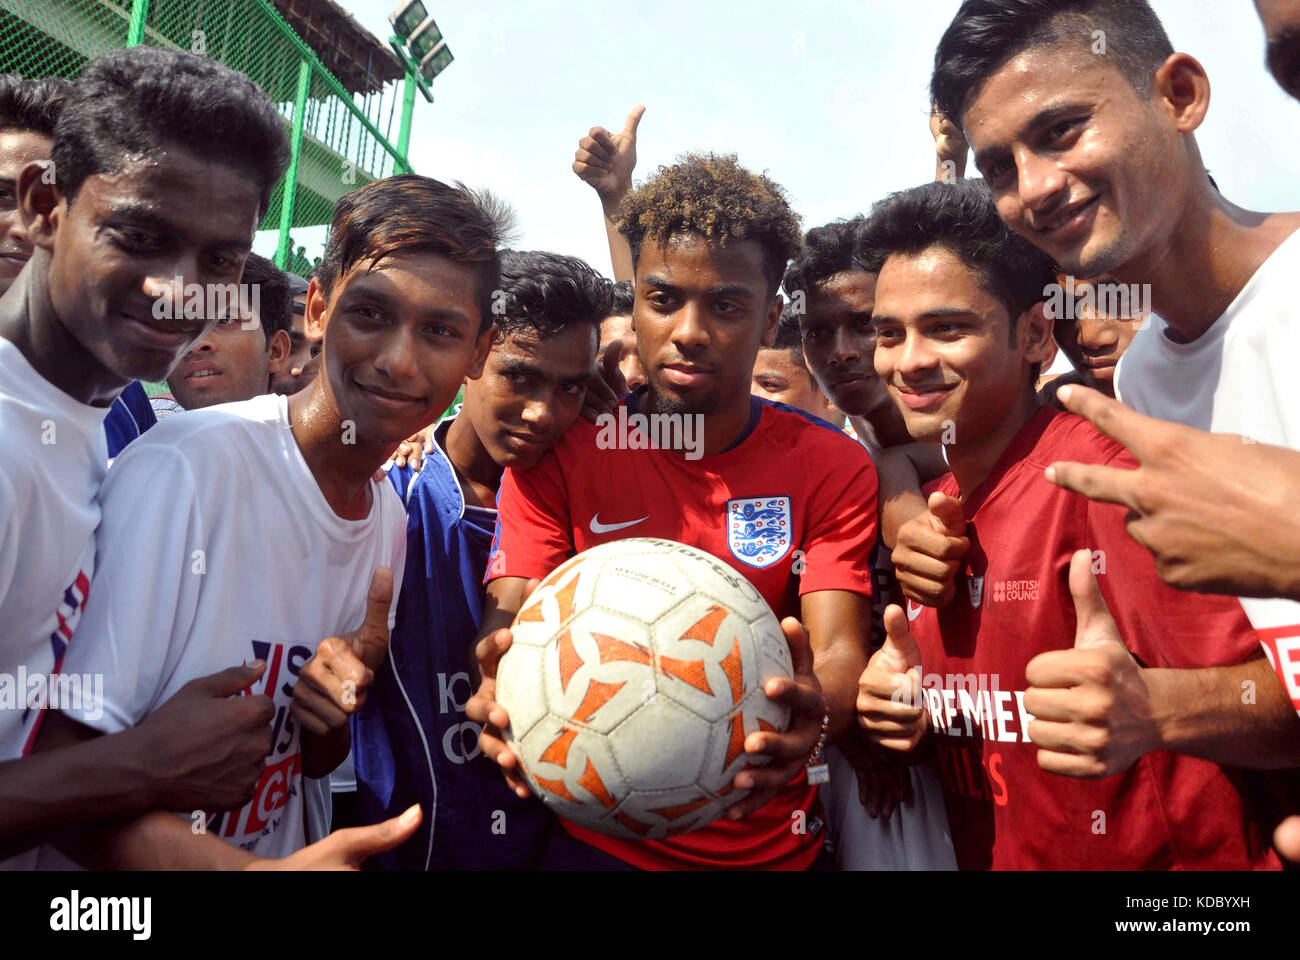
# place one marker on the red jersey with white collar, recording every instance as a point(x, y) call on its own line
point(1167, 811)
point(791, 506)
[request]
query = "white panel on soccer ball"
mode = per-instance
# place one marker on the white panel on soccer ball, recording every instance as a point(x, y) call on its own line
point(520, 688)
point(573, 771)
point(593, 678)
point(764, 713)
point(707, 676)
point(673, 812)
point(773, 650)
point(647, 584)
point(647, 759)
point(712, 577)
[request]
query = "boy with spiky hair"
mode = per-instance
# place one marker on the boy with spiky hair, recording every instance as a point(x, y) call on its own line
point(709, 242)
point(404, 296)
point(413, 741)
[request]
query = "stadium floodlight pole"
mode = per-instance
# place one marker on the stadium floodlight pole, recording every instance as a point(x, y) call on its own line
point(412, 83)
point(139, 14)
point(290, 193)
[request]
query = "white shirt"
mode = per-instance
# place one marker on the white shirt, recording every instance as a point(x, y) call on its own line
point(52, 457)
point(216, 548)
point(1238, 377)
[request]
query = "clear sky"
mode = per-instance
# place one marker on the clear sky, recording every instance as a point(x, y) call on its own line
point(828, 98)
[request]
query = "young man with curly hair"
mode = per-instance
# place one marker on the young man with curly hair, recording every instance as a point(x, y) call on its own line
point(709, 243)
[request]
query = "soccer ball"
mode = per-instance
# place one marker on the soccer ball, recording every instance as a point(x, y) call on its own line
point(636, 672)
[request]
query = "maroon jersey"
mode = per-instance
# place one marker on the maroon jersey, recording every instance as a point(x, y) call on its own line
point(1167, 811)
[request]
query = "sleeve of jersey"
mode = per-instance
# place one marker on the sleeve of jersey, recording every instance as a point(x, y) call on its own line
point(841, 528)
point(150, 558)
point(1162, 626)
point(533, 530)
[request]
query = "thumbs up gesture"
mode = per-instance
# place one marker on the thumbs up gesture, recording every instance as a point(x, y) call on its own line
point(1091, 707)
point(890, 705)
point(606, 160)
point(930, 549)
point(332, 685)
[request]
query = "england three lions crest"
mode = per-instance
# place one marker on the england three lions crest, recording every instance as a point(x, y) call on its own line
point(759, 529)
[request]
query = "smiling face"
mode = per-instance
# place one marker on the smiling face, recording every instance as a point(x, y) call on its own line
point(701, 314)
point(17, 149)
point(1281, 19)
point(1080, 165)
point(124, 239)
point(530, 392)
point(946, 348)
point(399, 340)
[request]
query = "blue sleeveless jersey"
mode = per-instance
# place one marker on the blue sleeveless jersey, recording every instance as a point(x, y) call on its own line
point(412, 742)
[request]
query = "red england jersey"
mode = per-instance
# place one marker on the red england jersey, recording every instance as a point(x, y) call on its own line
point(1167, 811)
point(816, 489)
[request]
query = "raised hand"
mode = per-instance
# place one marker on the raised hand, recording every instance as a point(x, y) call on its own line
point(930, 549)
point(891, 709)
point(333, 684)
point(606, 160)
point(1092, 711)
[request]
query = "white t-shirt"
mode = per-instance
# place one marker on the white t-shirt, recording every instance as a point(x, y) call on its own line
point(217, 547)
point(1240, 376)
point(52, 458)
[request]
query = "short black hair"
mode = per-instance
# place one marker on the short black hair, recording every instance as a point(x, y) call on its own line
point(274, 300)
point(132, 102)
point(411, 212)
point(623, 299)
point(985, 34)
point(31, 104)
point(549, 293)
point(962, 217)
point(714, 197)
point(789, 339)
point(827, 250)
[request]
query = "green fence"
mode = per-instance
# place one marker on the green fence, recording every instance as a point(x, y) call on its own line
point(340, 140)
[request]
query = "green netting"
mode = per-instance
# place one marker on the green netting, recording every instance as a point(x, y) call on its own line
point(344, 143)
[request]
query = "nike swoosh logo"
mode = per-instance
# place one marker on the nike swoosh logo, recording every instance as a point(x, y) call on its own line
point(598, 527)
point(913, 613)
